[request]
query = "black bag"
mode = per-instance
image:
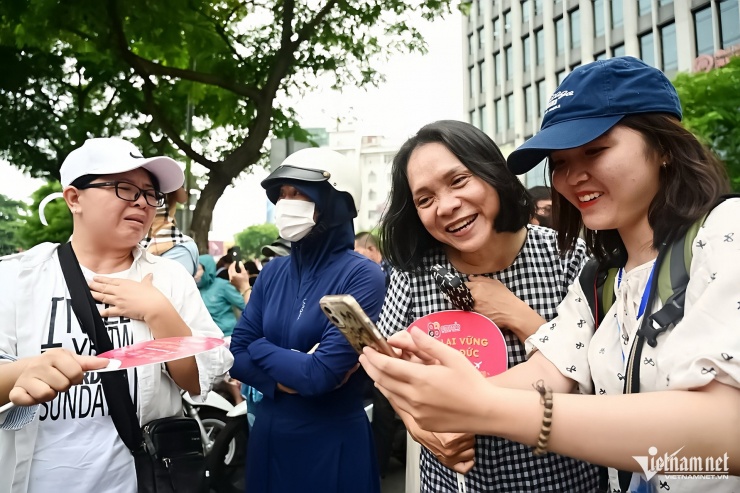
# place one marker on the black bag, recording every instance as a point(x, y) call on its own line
point(172, 459)
point(168, 452)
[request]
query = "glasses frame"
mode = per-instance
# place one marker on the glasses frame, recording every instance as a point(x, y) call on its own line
point(159, 196)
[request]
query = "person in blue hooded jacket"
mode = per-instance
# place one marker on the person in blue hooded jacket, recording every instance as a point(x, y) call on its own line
point(219, 296)
point(310, 431)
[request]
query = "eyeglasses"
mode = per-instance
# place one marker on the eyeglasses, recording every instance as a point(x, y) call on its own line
point(130, 192)
point(545, 211)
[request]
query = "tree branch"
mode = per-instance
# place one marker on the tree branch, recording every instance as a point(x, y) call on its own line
point(168, 130)
point(145, 67)
point(216, 24)
point(305, 32)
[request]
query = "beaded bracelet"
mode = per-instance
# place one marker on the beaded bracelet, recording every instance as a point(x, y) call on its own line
point(546, 399)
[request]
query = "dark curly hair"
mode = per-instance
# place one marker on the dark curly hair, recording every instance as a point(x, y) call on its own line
point(403, 236)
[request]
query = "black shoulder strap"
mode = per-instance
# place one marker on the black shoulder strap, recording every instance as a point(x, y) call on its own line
point(597, 284)
point(115, 383)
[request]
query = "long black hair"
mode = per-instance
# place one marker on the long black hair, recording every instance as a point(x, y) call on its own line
point(404, 238)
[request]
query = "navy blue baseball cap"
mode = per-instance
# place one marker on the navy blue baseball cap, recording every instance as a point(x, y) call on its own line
point(590, 101)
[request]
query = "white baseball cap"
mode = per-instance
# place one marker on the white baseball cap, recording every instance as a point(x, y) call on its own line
point(110, 155)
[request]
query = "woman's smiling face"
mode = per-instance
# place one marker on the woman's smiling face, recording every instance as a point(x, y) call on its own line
point(611, 180)
point(455, 206)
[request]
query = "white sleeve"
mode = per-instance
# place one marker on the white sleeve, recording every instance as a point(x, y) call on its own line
point(187, 301)
point(565, 340)
point(11, 417)
point(705, 345)
point(15, 417)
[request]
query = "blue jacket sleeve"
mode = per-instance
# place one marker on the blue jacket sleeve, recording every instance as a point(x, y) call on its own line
point(247, 330)
point(324, 370)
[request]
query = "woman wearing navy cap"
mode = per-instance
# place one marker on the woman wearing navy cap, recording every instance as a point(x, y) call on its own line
point(628, 173)
point(310, 431)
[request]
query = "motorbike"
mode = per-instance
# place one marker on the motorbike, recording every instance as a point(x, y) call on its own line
point(228, 456)
point(211, 416)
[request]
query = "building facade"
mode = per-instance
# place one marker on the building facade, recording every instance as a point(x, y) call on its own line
point(516, 52)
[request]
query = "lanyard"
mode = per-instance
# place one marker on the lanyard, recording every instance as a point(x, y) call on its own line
point(643, 303)
point(645, 294)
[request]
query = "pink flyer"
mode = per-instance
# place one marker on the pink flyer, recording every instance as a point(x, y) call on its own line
point(473, 334)
point(158, 351)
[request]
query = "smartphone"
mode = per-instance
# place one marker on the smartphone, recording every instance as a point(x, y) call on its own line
point(344, 312)
point(453, 287)
point(236, 256)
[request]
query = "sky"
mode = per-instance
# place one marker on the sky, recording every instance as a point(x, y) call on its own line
point(418, 89)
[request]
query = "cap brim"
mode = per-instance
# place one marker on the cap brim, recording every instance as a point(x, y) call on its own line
point(287, 172)
point(562, 135)
point(168, 172)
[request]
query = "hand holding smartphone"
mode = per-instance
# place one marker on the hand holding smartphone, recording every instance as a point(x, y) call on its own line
point(347, 315)
point(236, 256)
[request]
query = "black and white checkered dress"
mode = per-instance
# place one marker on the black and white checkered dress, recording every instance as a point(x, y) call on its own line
point(541, 278)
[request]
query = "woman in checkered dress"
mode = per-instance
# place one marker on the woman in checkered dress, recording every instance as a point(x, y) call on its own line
point(470, 214)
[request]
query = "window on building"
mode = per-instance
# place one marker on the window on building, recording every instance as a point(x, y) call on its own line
point(372, 177)
point(499, 110)
point(617, 14)
point(470, 45)
point(541, 97)
point(497, 28)
point(539, 46)
point(507, 21)
point(618, 50)
point(471, 117)
point(663, 3)
point(509, 60)
point(560, 76)
point(471, 81)
point(598, 18)
point(703, 31)
point(479, 5)
point(647, 49)
point(482, 76)
point(526, 53)
point(497, 68)
point(575, 29)
point(601, 56)
point(729, 22)
point(372, 194)
point(526, 7)
point(644, 7)
point(538, 7)
point(481, 39)
point(559, 37)
point(509, 111)
point(669, 51)
point(528, 104)
point(483, 119)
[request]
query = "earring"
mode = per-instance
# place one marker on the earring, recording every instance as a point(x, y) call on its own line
point(665, 164)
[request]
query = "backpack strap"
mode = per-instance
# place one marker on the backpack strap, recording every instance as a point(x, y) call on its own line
point(597, 285)
point(673, 278)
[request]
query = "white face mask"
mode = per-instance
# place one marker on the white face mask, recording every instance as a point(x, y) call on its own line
point(294, 218)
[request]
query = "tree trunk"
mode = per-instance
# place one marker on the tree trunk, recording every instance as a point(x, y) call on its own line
point(203, 213)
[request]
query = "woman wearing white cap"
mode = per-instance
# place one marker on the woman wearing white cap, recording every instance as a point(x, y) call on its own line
point(667, 388)
point(59, 435)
